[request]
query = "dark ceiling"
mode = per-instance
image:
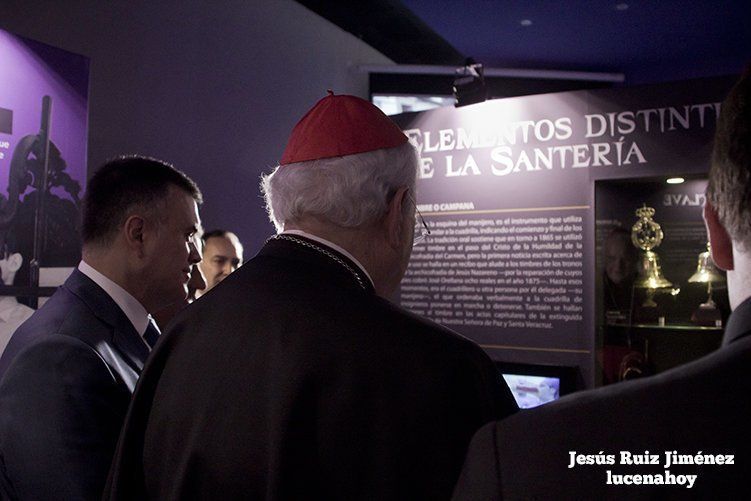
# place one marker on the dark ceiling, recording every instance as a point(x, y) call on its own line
point(647, 41)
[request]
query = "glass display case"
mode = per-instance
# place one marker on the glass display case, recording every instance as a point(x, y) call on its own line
point(660, 300)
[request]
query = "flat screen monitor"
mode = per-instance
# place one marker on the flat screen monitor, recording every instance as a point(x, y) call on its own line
point(534, 385)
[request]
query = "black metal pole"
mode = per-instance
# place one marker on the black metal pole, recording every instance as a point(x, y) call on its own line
point(40, 219)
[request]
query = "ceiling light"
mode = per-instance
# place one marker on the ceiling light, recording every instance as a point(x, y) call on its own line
point(675, 180)
point(526, 22)
point(621, 6)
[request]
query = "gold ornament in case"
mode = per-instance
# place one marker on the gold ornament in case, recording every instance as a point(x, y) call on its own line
point(646, 234)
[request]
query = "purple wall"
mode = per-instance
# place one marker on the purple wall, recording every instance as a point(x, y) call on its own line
point(29, 71)
point(213, 87)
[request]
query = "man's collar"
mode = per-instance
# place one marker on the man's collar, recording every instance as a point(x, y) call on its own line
point(133, 309)
point(739, 324)
point(331, 245)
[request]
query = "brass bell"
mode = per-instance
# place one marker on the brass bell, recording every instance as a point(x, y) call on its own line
point(650, 273)
point(706, 271)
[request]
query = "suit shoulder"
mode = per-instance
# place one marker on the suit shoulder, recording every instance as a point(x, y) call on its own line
point(63, 357)
point(64, 314)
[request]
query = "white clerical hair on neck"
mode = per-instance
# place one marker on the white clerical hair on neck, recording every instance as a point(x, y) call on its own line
point(349, 191)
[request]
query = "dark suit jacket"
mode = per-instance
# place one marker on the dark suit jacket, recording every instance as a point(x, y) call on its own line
point(290, 380)
point(67, 377)
point(704, 406)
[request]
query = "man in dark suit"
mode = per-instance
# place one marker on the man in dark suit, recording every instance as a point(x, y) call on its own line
point(297, 378)
point(68, 372)
point(610, 442)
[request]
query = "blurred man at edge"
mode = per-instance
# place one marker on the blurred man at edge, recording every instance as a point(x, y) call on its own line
point(698, 410)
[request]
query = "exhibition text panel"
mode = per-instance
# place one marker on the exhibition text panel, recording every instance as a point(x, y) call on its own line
point(508, 271)
point(507, 187)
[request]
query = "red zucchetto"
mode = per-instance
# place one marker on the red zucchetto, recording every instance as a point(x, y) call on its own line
point(341, 125)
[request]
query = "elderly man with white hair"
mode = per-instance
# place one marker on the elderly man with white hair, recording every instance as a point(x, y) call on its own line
point(298, 378)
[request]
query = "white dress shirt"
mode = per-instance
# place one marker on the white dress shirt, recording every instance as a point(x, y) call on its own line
point(134, 310)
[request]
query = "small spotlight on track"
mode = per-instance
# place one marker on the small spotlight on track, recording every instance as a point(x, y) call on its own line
point(469, 84)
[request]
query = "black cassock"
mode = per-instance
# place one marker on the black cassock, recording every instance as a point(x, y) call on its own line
point(292, 379)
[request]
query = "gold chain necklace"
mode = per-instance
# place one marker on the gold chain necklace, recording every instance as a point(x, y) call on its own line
point(326, 253)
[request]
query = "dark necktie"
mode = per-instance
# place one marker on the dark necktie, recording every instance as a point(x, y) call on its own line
point(152, 334)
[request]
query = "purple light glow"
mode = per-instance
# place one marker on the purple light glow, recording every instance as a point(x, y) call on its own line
point(28, 71)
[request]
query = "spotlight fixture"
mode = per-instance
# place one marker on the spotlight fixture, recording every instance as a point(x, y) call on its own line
point(469, 84)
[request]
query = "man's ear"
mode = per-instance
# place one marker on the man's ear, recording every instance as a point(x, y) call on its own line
point(395, 216)
point(133, 230)
point(719, 239)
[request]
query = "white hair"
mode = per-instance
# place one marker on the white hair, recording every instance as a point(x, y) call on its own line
point(348, 191)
